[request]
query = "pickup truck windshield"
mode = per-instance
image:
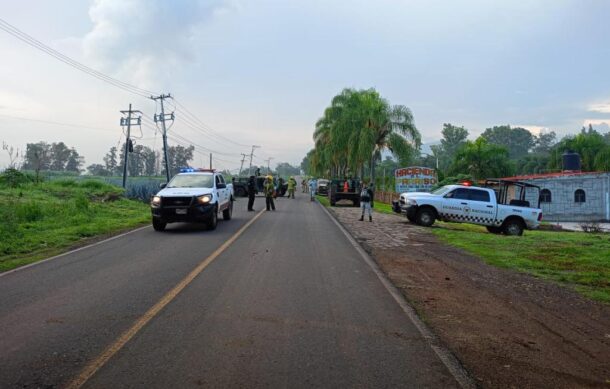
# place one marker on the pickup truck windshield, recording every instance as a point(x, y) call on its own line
point(442, 190)
point(191, 181)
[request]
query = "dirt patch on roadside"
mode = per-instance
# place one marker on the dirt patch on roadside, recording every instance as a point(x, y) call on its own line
point(507, 328)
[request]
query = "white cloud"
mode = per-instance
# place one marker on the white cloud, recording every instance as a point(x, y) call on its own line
point(599, 107)
point(536, 130)
point(147, 41)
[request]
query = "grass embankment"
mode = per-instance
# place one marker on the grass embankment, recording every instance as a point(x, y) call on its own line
point(38, 220)
point(576, 259)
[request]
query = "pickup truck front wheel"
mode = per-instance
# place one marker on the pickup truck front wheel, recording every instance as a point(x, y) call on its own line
point(513, 227)
point(158, 224)
point(213, 222)
point(425, 217)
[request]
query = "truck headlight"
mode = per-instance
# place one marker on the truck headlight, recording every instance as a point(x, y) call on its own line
point(156, 201)
point(205, 199)
point(411, 202)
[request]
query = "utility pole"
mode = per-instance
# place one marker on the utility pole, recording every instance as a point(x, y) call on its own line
point(210, 161)
point(251, 155)
point(243, 159)
point(127, 121)
point(162, 118)
point(268, 167)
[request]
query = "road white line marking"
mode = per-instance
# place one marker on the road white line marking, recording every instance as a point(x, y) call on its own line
point(126, 336)
point(71, 251)
point(449, 360)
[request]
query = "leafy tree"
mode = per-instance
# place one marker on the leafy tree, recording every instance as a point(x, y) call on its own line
point(533, 164)
point(37, 156)
point(60, 153)
point(589, 144)
point(544, 142)
point(454, 138)
point(178, 157)
point(306, 164)
point(74, 162)
point(110, 160)
point(518, 141)
point(97, 169)
point(149, 157)
point(482, 159)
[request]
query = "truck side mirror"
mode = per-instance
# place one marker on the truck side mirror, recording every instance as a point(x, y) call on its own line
point(162, 185)
point(221, 186)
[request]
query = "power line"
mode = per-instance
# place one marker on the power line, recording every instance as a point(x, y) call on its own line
point(57, 123)
point(202, 124)
point(14, 31)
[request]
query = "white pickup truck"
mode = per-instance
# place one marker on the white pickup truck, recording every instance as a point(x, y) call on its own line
point(502, 208)
point(193, 195)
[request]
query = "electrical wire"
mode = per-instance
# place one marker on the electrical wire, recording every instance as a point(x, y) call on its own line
point(14, 31)
point(57, 123)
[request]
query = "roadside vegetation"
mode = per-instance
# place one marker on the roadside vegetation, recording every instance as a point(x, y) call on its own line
point(41, 219)
point(576, 259)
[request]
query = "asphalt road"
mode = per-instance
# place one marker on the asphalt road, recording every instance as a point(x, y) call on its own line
point(289, 303)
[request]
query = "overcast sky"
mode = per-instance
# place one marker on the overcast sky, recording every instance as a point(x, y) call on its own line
point(262, 72)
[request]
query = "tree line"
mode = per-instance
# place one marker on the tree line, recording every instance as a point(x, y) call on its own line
point(359, 127)
point(142, 161)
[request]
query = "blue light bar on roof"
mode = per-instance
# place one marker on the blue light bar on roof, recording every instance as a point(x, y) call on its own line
point(186, 170)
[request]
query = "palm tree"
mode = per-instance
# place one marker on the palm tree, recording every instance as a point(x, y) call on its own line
point(357, 127)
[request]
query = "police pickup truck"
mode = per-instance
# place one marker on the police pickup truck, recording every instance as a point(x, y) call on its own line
point(195, 196)
point(500, 205)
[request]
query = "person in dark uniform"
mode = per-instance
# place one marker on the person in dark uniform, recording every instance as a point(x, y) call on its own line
point(251, 193)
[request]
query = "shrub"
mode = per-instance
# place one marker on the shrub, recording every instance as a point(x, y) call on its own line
point(28, 212)
point(14, 178)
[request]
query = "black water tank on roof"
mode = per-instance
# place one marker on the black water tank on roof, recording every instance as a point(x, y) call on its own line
point(571, 161)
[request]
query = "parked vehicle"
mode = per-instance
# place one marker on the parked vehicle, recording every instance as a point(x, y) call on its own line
point(322, 187)
point(193, 195)
point(500, 205)
point(337, 191)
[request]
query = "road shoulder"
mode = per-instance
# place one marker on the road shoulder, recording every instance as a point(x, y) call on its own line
point(507, 328)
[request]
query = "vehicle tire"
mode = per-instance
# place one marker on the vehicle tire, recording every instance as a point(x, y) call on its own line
point(513, 227)
point(240, 192)
point(425, 217)
point(158, 224)
point(228, 213)
point(411, 219)
point(494, 229)
point(213, 222)
point(357, 203)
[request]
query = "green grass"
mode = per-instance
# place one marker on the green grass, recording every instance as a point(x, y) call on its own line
point(575, 259)
point(44, 219)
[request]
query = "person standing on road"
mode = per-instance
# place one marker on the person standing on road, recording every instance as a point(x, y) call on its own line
point(304, 186)
point(312, 189)
point(269, 189)
point(365, 201)
point(292, 185)
point(251, 193)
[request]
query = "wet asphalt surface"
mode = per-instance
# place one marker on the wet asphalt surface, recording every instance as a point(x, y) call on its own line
point(289, 304)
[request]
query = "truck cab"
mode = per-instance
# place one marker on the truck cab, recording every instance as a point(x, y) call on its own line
point(499, 205)
point(194, 196)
